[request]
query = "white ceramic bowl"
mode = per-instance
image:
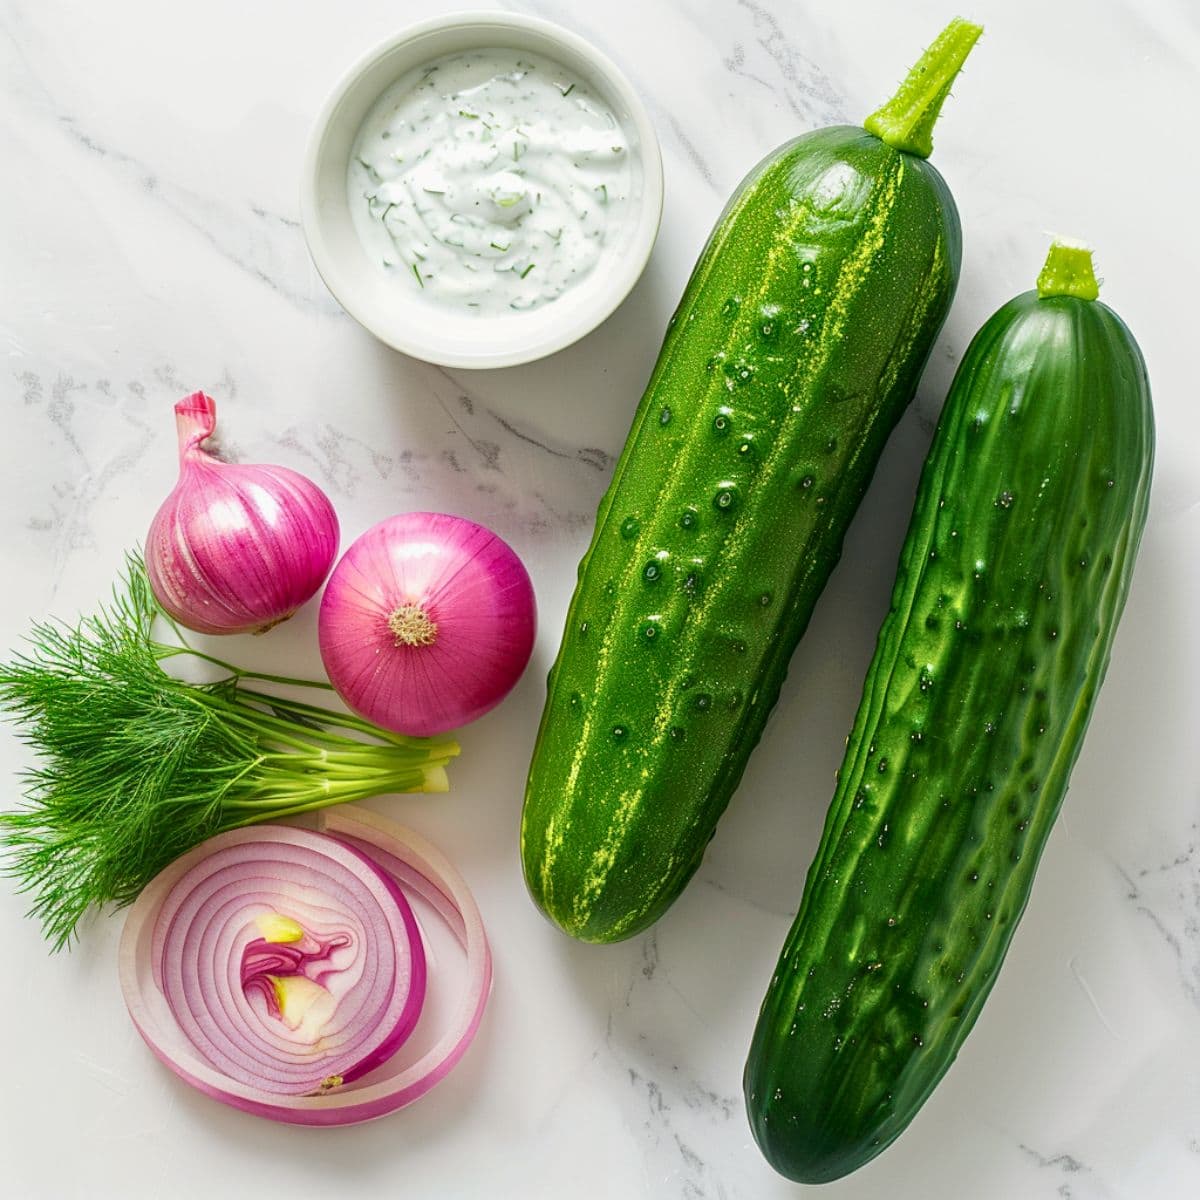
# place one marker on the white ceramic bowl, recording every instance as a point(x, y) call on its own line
point(429, 331)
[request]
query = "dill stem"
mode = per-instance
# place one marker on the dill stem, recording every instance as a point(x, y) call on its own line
point(346, 720)
point(370, 762)
point(314, 799)
point(260, 722)
point(161, 650)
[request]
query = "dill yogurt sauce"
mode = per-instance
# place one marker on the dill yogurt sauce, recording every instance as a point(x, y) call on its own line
point(489, 181)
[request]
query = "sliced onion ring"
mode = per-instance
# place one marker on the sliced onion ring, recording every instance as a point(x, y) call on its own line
point(184, 948)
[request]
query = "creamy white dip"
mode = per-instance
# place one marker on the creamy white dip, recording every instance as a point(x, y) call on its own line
point(489, 181)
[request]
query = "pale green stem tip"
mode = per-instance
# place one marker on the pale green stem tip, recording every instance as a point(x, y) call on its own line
point(435, 780)
point(906, 121)
point(1068, 272)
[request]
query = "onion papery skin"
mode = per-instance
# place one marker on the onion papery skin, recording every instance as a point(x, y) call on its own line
point(466, 597)
point(236, 548)
point(346, 836)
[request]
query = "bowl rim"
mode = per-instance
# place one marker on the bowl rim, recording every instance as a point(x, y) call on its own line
point(563, 333)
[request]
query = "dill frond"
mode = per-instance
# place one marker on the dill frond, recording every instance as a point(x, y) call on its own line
point(136, 766)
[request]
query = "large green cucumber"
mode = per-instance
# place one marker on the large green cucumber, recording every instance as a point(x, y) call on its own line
point(1010, 586)
point(796, 346)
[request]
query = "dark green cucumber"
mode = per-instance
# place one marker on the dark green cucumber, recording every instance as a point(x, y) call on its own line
point(795, 348)
point(1011, 582)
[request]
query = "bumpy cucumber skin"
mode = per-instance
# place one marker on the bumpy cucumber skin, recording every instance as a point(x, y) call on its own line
point(796, 346)
point(1011, 582)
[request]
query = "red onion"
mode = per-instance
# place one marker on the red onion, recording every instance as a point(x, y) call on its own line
point(426, 623)
point(236, 548)
point(281, 970)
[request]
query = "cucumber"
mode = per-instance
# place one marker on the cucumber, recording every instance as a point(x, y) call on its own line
point(1011, 582)
point(797, 344)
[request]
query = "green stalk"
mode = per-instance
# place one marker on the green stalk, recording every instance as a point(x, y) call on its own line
point(906, 121)
point(1068, 272)
point(323, 761)
point(309, 799)
point(164, 651)
point(348, 720)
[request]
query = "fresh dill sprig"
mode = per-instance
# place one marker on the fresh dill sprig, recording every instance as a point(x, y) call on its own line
point(137, 766)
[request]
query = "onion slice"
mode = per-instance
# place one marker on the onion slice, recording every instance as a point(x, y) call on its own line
point(280, 969)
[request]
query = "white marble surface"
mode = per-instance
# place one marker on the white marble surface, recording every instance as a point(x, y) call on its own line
point(151, 247)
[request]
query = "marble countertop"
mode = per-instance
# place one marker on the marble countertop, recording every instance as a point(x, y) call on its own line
point(152, 247)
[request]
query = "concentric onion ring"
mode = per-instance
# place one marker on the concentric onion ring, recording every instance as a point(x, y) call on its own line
point(319, 920)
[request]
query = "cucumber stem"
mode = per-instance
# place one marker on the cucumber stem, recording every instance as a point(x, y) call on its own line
point(906, 121)
point(1068, 272)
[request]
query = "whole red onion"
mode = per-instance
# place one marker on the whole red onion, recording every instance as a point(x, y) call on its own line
point(426, 623)
point(236, 548)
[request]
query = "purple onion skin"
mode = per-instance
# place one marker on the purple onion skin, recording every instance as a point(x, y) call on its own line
point(427, 623)
point(236, 548)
